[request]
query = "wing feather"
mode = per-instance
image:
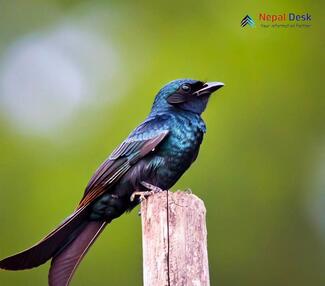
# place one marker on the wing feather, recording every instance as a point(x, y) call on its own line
point(118, 163)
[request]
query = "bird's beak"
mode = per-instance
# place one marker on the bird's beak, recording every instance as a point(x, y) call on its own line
point(209, 87)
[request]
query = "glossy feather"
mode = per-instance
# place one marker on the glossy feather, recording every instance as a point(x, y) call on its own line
point(158, 151)
point(65, 264)
point(47, 247)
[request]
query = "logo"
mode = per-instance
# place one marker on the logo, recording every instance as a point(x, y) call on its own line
point(278, 20)
point(247, 20)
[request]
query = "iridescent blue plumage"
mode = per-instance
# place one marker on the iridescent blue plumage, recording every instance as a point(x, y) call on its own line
point(157, 152)
point(177, 109)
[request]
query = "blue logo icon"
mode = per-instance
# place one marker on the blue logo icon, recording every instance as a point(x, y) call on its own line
point(247, 20)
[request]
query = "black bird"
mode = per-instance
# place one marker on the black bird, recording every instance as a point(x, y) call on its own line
point(153, 157)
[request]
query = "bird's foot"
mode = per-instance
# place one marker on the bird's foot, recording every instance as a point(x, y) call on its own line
point(142, 195)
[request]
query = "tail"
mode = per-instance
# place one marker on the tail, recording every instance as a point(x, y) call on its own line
point(65, 263)
point(61, 245)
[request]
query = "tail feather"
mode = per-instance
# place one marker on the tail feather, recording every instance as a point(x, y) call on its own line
point(48, 246)
point(65, 263)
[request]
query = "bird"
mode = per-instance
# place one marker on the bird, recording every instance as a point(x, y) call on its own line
point(151, 159)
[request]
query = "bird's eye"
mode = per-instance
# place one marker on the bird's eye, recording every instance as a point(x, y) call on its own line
point(186, 88)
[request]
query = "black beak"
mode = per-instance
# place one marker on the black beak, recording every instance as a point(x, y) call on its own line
point(208, 88)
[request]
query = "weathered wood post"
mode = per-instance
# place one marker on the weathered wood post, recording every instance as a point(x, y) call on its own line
point(174, 240)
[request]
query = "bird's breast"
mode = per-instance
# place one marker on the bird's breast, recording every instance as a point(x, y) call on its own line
point(178, 151)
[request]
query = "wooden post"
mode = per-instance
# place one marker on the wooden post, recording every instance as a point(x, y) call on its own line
point(174, 240)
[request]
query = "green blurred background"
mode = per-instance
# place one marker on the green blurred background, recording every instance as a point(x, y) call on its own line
point(77, 76)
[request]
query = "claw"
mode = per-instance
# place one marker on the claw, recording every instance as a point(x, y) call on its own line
point(142, 195)
point(133, 196)
point(153, 190)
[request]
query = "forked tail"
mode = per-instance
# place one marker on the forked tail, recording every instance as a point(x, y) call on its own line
point(67, 245)
point(65, 263)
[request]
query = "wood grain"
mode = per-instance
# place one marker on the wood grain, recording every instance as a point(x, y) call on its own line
point(174, 240)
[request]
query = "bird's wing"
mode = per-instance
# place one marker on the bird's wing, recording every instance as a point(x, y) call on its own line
point(119, 162)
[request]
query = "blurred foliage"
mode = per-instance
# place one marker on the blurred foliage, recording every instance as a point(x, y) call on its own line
point(256, 167)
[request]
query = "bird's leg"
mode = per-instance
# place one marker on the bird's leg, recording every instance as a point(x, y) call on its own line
point(153, 190)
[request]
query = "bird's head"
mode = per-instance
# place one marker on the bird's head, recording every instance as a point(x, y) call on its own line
point(185, 94)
